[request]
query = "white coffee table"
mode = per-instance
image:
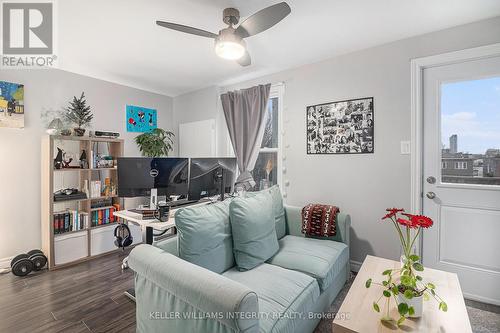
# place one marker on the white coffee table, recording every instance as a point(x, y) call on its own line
point(357, 315)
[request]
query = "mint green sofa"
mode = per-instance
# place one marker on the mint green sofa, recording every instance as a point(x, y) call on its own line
point(288, 293)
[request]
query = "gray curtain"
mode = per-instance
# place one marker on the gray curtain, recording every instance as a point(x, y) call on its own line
point(245, 111)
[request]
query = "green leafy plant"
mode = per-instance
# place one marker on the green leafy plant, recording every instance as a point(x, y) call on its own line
point(405, 283)
point(79, 113)
point(156, 143)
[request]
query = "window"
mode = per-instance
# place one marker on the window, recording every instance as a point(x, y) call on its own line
point(266, 172)
point(444, 165)
point(470, 127)
point(461, 165)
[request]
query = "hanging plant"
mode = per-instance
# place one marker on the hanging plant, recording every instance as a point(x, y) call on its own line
point(156, 143)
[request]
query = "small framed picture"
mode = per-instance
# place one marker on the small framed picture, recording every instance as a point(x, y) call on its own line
point(140, 119)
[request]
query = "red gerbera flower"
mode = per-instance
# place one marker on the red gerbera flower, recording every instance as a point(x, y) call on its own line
point(407, 223)
point(422, 221)
point(392, 212)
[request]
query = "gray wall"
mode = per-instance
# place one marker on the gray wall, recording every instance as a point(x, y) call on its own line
point(199, 105)
point(362, 185)
point(20, 148)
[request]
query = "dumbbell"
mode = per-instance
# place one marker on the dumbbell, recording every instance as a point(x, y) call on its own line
point(21, 265)
point(38, 259)
point(24, 264)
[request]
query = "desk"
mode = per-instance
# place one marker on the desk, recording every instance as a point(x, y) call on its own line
point(148, 227)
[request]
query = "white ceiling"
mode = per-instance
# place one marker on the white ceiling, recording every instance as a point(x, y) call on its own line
point(118, 40)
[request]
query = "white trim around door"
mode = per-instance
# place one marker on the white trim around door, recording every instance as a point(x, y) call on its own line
point(417, 68)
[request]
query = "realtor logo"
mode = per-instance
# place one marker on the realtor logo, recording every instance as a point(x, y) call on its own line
point(28, 34)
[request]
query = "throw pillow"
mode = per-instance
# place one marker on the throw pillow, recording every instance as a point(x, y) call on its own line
point(253, 229)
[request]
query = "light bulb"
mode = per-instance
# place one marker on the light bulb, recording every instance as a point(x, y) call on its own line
point(228, 45)
point(229, 50)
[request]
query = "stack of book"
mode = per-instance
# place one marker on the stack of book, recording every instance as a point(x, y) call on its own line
point(103, 216)
point(70, 220)
point(146, 214)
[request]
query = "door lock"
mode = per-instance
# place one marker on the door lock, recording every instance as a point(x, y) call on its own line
point(431, 180)
point(430, 195)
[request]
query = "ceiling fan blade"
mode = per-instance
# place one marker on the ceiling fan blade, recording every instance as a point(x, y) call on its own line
point(263, 20)
point(245, 60)
point(186, 29)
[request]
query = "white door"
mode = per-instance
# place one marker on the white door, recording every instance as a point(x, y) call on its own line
point(461, 165)
point(197, 139)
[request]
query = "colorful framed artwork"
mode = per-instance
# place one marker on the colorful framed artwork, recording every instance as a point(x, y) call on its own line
point(343, 127)
point(140, 119)
point(11, 105)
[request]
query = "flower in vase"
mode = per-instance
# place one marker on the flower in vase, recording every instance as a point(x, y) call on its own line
point(407, 223)
point(422, 221)
point(392, 212)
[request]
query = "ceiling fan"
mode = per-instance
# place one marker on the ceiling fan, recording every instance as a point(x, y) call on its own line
point(229, 43)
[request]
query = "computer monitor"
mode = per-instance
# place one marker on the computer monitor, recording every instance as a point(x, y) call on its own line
point(209, 177)
point(137, 176)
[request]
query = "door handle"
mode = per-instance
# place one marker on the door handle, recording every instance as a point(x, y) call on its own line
point(430, 195)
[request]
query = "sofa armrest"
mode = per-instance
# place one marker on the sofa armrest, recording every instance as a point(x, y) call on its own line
point(168, 245)
point(168, 284)
point(294, 223)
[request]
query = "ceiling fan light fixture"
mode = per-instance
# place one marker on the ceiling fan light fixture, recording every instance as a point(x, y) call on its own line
point(229, 46)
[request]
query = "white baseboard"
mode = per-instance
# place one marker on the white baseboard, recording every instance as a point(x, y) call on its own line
point(5, 262)
point(355, 265)
point(481, 299)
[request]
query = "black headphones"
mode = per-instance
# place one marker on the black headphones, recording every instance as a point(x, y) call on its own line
point(123, 237)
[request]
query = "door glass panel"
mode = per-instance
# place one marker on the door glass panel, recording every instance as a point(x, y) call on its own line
point(470, 132)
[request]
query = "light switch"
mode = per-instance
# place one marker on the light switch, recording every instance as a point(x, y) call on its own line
point(405, 148)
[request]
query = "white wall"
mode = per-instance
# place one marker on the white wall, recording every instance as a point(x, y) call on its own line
point(362, 185)
point(20, 148)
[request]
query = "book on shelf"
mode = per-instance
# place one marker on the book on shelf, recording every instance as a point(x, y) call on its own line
point(95, 189)
point(69, 220)
point(103, 216)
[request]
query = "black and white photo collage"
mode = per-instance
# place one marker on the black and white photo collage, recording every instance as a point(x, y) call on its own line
point(344, 127)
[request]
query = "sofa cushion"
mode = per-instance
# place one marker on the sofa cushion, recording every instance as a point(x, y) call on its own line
point(253, 229)
point(204, 236)
point(320, 259)
point(278, 208)
point(281, 293)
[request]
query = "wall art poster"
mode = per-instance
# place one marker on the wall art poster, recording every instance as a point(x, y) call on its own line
point(11, 105)
point(140, 119)
point(344, 127)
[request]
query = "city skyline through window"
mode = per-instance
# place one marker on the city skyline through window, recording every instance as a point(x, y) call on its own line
point(471, 110)
point(470, 132)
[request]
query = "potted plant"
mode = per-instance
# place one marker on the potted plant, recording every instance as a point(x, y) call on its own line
point(155, 143)
point(79, 113)
point(404, 285)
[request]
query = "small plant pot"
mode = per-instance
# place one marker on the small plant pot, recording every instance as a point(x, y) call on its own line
point(66, 132)
point(79, 131)
point(416, 302)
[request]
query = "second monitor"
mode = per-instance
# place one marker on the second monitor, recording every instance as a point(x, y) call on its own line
point(209, 177)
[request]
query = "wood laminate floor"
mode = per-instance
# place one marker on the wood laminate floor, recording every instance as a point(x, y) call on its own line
point(89, 297)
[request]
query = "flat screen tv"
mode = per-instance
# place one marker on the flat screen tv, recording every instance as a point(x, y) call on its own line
point(138, 175)
point(210, 177)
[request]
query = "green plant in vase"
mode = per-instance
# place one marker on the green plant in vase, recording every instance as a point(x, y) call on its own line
point(155, 143)
point(404, 285)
